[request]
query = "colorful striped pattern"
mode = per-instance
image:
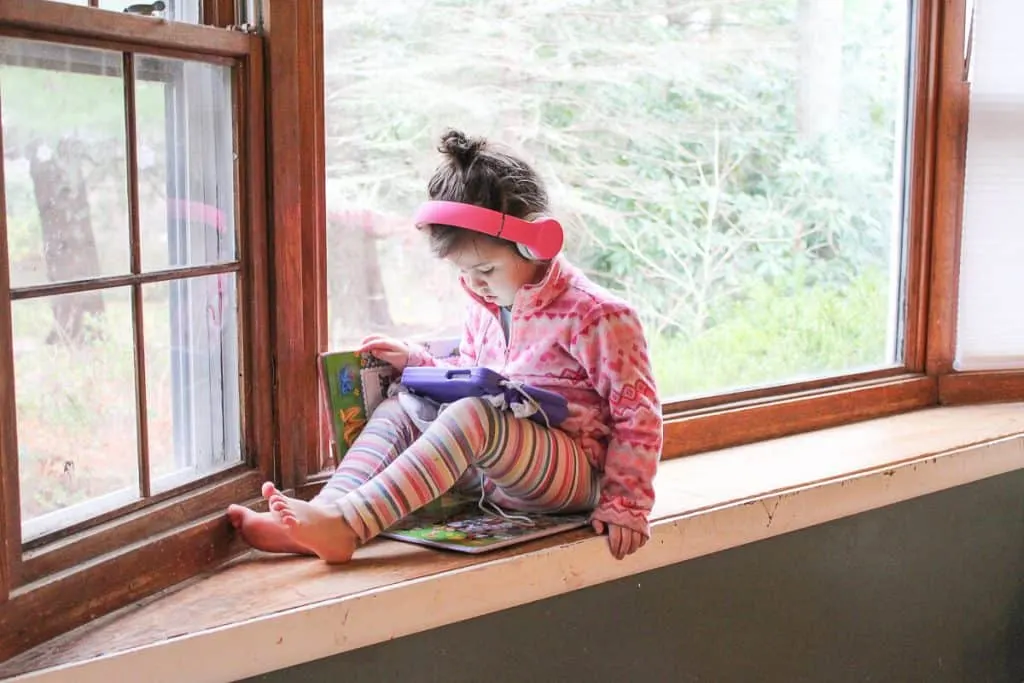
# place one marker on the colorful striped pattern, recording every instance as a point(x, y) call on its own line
point(525, 466)
point(575, 338)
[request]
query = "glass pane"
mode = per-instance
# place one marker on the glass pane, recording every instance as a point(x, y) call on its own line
point(192, 378)
point(732, 167)
point(64, 161)
point(76, 407)
point(990, 327)
point(186, 163)
point(172, 10)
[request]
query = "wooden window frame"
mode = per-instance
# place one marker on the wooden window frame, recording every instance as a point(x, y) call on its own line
point(59, 582)
point(295, 102)
point(955, 387)
point(937, 135)
point(65, 584)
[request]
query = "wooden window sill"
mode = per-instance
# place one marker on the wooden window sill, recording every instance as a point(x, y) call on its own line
point(263, 613)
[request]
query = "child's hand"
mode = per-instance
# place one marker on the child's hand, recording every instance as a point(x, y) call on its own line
point(622, 540)
point(390, 350)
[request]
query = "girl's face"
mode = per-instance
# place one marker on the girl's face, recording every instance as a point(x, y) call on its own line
point(495, 272)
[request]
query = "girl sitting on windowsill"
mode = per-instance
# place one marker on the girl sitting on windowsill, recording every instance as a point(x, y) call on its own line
point(535, 319)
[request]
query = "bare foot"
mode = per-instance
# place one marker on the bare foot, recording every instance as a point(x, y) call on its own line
point(320, 529)
point(263, 531)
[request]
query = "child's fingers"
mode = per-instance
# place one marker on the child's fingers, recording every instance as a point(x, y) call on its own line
point(621, 540)
point(617, 541)
point(387, 344)
point(380, 345)
point(372, 339)
point(369, 343)
point(636, 541)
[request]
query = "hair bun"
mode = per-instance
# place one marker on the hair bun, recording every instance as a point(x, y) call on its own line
point(463, 150)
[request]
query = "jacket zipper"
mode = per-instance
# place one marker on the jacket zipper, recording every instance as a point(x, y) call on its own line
point(496, 318)
point(508, 342)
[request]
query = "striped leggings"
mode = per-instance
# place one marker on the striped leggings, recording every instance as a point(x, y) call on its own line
point(393, 469)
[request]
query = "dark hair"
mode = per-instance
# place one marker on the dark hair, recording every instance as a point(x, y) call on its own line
point(475, 173)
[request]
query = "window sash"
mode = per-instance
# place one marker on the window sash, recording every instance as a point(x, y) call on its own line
point(920, 150)
point(166, 548)
point(990, 330)
point(185, 294)
point(88, 26)
point(131, 525)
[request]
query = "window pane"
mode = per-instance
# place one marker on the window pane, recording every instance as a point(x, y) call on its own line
point(64, 161)
point(192, 378)
point(172, 10)
point(732, 167)
point(186, 162)
point(76, 408)
point(990, 334)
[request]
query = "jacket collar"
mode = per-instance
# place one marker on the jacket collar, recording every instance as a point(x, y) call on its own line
point(534, 298)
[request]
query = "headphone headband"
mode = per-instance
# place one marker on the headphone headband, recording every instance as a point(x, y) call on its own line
point(543, 237)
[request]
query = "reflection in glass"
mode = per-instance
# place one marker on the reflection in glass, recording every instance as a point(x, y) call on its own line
point(186, 162)
point(192, 378)
point(64, 161)
point(76, 412)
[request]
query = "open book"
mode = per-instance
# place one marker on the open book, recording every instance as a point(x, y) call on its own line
point(353, 385)
point(459, 524)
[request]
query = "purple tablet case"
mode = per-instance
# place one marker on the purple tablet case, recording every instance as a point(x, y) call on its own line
point(446, 385)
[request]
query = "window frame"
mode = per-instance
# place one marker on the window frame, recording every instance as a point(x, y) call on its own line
point(741, 416)
point(62, 580)
point(64, 584)
point(937, 115)
point(298, 226)
point(956, 387)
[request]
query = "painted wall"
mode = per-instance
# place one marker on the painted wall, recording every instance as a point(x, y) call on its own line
point(927, 590)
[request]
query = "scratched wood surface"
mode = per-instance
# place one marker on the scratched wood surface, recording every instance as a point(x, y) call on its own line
point(259, 585)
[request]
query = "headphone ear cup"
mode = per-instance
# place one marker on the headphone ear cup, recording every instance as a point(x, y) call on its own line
point(525, 252)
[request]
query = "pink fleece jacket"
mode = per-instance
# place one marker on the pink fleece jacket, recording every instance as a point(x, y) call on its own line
point(573, 337)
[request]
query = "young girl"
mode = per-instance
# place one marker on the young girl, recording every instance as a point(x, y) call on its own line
point(535, 319)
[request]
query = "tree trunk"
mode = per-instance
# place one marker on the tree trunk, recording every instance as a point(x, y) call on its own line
point(821, 67)
point(355, 282)
point(69, 245)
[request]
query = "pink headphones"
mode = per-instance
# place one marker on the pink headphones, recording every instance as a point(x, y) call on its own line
point(539, 240)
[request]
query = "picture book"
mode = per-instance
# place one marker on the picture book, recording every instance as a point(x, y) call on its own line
point(354, 384)
point(460, 525)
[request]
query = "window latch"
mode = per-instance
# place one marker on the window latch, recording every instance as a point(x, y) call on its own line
point(147, 9)
point(251, 29)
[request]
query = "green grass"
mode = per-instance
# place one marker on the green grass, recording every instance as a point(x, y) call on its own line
point(76, 404)
point(49, 104)
point(776, 336)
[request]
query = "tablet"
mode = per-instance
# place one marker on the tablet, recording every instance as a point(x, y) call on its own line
point(447, 385)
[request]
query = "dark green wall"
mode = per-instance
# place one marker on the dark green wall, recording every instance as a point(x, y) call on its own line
point(928, 590)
